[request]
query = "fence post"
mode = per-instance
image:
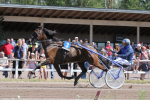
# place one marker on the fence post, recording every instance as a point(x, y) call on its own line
point(71, 69)
point(16, 70)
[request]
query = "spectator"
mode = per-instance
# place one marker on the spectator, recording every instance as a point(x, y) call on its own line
point(7, 47)
point(73, 41)
point(94, 45)
point(145, 45)
point(137, 55)
point(141, 43)
point(86, 41)
point(76, 40)
point(51, 66)
point(103, 51)
point(143, 65)
point(32, 64)
point(12, 42)
point(133, 46)
point(109, 48)
point(117, 48)
point(4, 63)
point(43, 68)
point(84, 75)
point(126, 53)
point(18, 53)
point(75, 65)
point(148, 51)
point(69, 40)
point(81, 41)
point(64, 66)
point(25, 47)
point(32, 50)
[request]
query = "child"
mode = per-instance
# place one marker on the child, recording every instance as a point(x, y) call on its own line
point(32, 64)
point(43, 68)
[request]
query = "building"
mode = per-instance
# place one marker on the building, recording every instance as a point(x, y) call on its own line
point(99, 25)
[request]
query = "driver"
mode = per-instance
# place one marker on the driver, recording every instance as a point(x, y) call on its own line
point(126, 53)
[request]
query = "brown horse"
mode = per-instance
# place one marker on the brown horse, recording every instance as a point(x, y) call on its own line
point(56, 55)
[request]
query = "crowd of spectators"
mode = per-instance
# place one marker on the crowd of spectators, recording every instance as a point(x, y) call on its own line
point(21, 50)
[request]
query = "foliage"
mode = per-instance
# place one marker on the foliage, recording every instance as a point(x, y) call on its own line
point(142, 94)
point(111, 4)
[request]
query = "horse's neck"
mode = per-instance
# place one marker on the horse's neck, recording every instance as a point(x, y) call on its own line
point(44, 44)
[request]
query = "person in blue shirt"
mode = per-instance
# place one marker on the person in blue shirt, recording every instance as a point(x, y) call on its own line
point(18, 53)
point(126, 53)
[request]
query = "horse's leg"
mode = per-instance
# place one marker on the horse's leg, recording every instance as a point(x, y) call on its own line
point(38, 67)
point(84, 70)
point(59, 72)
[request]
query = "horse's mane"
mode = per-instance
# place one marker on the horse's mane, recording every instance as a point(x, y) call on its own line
point(51, 34)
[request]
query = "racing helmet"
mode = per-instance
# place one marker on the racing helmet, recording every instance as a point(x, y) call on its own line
point(126, 40)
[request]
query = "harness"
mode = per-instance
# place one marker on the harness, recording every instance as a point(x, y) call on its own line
point(65, 47)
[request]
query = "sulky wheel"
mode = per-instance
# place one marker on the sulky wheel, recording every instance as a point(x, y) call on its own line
point(96, 78)
point(111, 81)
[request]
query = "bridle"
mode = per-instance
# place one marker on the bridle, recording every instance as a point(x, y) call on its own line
point(37, 33)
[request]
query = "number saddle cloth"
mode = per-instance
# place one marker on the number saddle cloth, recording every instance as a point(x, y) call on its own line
point(66, 46)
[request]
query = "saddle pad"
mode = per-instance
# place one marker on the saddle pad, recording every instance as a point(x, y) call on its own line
point(67, 45)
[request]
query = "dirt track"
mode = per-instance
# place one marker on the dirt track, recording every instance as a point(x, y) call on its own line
point(52, 91)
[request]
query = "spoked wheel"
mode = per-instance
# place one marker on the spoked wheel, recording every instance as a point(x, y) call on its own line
point(96, 78)
point(111, 81)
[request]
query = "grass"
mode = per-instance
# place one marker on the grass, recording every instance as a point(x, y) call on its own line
point(72, 80)
point(137, 81)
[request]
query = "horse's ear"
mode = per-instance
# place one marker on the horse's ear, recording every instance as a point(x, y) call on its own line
point(40, 27)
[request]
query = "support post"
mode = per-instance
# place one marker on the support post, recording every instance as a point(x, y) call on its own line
point(91, 34)
point(138, 34)
point(71, 69)
point(42, 24)
point(16, 70)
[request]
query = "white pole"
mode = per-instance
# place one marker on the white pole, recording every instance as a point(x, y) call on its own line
point(71, 69)
point(91, 34)
point(138, 34)
point(16, 70)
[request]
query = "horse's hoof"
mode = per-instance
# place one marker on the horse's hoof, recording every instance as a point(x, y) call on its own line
point(75, 83)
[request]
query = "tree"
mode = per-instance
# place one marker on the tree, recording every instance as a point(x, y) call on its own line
point(2, 37)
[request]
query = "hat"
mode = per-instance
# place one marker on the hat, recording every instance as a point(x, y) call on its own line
point(76, 37)
point(108, 41)
point(86, 40)
point(116, 44)
point(138, 45)
point(126, 41)
point(32, 54)
point(43, 55)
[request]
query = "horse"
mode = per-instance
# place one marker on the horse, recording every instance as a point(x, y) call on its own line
point(56, 55)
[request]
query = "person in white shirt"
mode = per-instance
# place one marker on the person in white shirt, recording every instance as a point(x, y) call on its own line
point(4, 63)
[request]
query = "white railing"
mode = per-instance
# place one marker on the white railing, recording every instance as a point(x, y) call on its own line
point(63, 70)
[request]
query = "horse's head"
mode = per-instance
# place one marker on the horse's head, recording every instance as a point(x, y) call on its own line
point(37, 34)
point(41, 33)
